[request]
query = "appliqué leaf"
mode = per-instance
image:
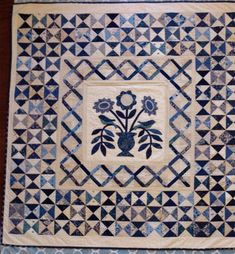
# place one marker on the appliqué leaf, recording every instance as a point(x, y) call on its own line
point(120, 114)
point(106, 120)
point(103, 149)
point(109, 145)
point(148, 152)
point(155, 131)
point(156, 145)
point(144, 138)
point(132, 113)
point(95, 148)
point(108, 132)
point(141, 133)
point(108, 138)
point(96, 131)
point(94, 140)
point(142, 147)
point(156, 137)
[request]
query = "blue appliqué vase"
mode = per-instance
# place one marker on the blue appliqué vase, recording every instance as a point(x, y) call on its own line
point(126, 142)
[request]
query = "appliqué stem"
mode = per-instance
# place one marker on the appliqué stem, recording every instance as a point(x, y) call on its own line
point(133, 123)
point(119, 120)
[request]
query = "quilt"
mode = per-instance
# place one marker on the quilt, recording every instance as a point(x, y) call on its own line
point(121, 126)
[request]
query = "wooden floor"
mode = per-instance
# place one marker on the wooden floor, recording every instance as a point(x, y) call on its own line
point(5, 64)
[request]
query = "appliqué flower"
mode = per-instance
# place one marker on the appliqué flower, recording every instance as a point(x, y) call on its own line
point(128, 125)
point(103, 105)
point(126, 100)
point(149, 105)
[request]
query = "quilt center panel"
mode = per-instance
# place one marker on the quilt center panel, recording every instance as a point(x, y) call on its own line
point(127, 123)
point(138, 115)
